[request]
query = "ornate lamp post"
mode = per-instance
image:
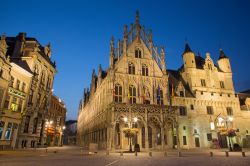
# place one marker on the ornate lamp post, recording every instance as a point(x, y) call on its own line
point(224, 122)
point(130, 131)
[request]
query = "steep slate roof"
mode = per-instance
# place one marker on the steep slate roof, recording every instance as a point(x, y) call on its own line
point(222, 54)
point(187, 49)
point(11, 45)
point(22, 64)
point(175, 77)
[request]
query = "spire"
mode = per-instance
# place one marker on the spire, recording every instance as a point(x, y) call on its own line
point(163, 63)
point(187, 49)
point(137, 26)
point(222, 54)
point(112, 52)
point(3, 46)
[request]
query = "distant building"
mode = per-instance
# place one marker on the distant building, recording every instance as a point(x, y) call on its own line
point(27, 75)
point(192, 107)
point(70, 132)
point(56, 122)
point(244, 97)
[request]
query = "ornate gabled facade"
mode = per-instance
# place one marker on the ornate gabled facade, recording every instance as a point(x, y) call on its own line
point(29, 83)
point(194, 106)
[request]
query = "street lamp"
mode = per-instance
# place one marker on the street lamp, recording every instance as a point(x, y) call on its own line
point(227, 119)
point(129, 131)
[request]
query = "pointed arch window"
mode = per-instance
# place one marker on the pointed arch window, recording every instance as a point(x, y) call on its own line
point(118, 93)
point(138, 53)
point(146, 95)
point(159, 96)
point(144, 70)
point(131, 68)
point(132, 94)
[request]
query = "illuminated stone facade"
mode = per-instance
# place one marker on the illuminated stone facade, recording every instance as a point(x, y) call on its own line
point(29, 85)
point(56, 122)
point(186, 108)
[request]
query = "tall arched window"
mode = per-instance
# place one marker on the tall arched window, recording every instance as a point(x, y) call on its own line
point(144, 70)
point(118, 93)
point(138, 53)
point(159, 96)
point(132, 94)
point(131, 68)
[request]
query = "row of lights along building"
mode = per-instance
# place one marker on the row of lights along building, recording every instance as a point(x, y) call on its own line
point(30, 114)
point(191, 107)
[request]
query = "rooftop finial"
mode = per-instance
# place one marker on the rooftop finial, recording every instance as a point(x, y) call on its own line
point(137, 22)
point(125, 31)
point(112, 47)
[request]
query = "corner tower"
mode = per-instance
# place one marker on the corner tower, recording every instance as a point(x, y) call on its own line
point(224, 62)
point(188, 58)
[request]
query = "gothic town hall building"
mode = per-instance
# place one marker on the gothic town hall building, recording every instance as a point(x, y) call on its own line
point(195, 106)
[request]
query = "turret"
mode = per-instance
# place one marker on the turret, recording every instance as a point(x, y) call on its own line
point(188, 58)
point(224, 62)
point(47, 50)
point(163, 63)
point(19, 45)
point(112, 53)
point(3, 46)
point(125, 39)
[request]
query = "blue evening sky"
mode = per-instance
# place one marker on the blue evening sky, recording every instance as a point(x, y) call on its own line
point(80, 31)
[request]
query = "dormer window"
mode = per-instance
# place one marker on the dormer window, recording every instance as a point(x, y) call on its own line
point(138, 53)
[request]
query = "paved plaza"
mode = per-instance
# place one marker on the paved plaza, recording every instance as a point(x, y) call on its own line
point(67, 156)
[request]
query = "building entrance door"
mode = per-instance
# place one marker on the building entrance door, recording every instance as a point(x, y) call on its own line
point(197, 142)
point(222, 140)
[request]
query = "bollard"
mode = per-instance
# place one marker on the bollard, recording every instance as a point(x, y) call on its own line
point(211, 154)
point(135, 153)
point(55, 151)
point(107, 152)
point(121, 153)
point(150, 154)
point(179, 154)
point(243, 154)
point(227, 154)
point(46, 150)
point(165, 154)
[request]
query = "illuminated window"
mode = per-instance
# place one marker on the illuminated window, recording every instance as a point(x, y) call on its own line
point(118, 93)
point(131, 68)
point(132, 94)
point(138, 53)
point(144, 70)
point(14, 105)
